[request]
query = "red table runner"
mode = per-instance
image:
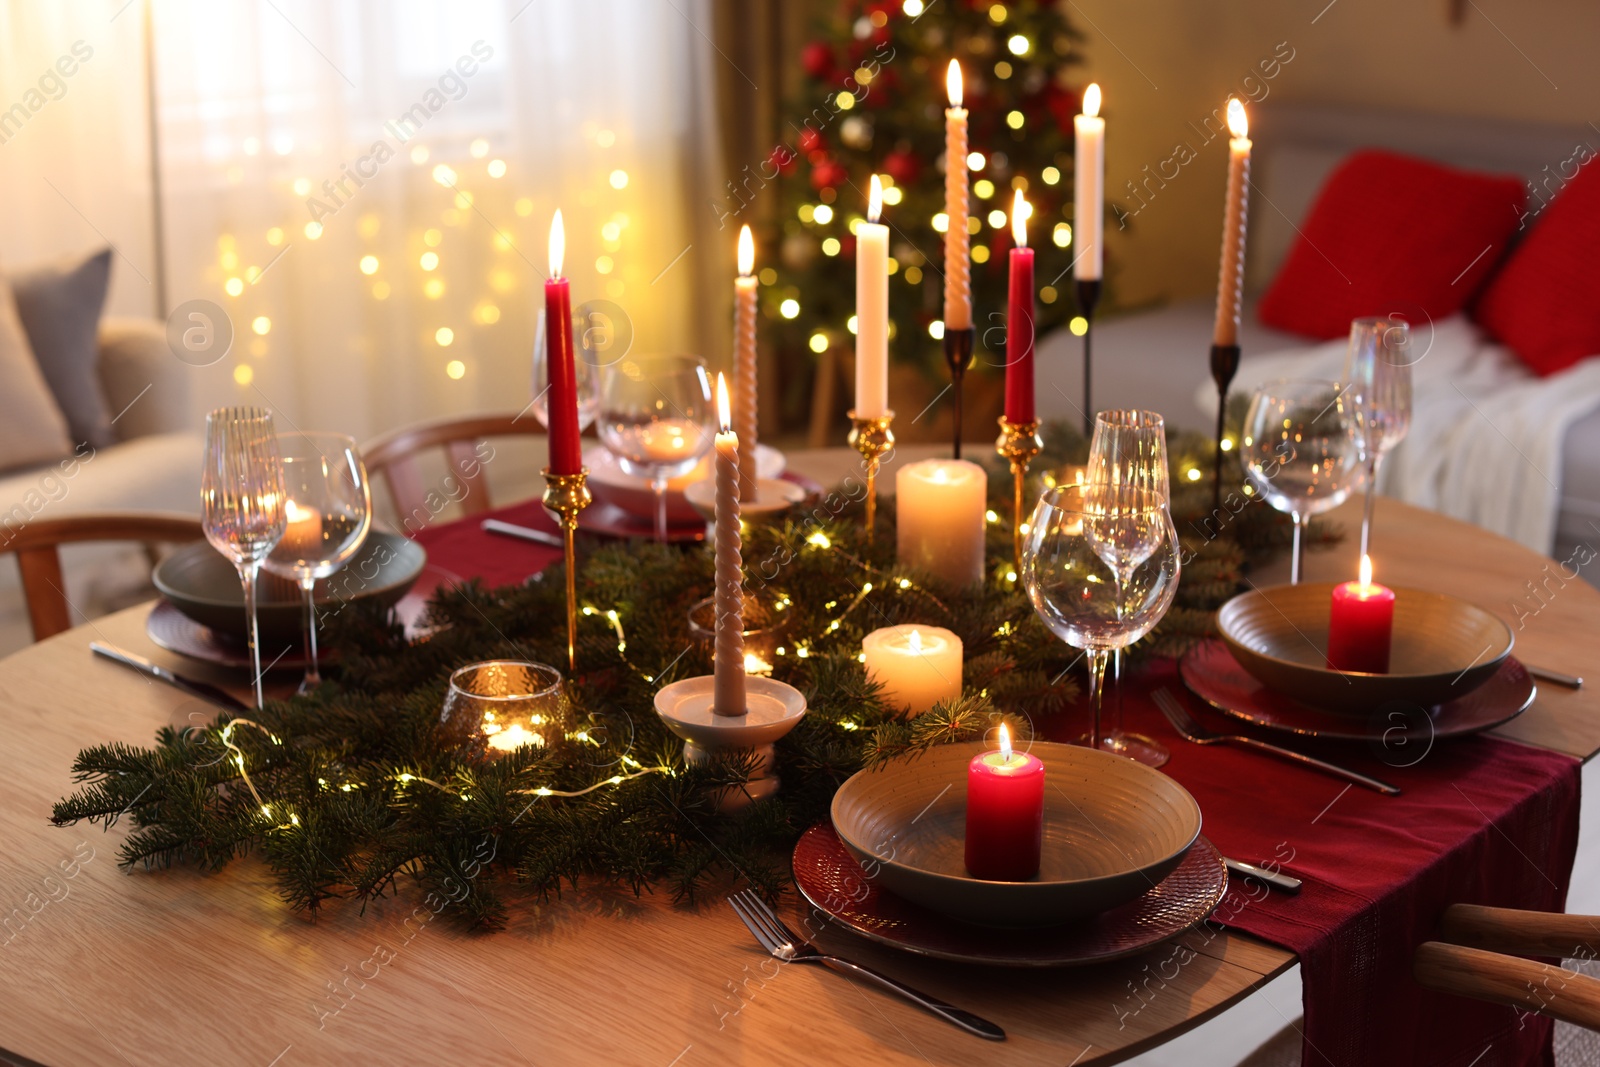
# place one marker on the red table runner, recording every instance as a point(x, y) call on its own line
point(1482, 821)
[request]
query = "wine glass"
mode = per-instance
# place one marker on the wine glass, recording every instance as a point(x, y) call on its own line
point(589, 354)
point(1129, 448)
point(242, 502)
point(655, 414)
point(1302, 449)
point(1378, 370)
point(1101, 568)
point(327, 512)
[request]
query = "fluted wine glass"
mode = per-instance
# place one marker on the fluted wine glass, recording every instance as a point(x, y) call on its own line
point(589, 354)
point(327, 513)
point(655, 417)
point(1378, 371)
point(1129, 448)
point(242, 502)
point(1101, 568)
point(1302, 450)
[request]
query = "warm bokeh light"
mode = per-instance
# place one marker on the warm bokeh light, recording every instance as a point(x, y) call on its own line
point(261, 325)
point(789, 308)
point(456, 369)
point(444, 335)
point(1238, 121)
point(497, 168)
point(369, 264)
point(619, 179)
point(1091, 101)
point(233, 286)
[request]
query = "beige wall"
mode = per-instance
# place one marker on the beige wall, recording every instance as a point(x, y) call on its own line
point(1165, 63)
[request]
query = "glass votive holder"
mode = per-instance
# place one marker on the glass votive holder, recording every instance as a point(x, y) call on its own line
point(503, 705)
point(766, 621)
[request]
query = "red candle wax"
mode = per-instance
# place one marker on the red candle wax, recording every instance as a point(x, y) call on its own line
point(1019, 321)
point(1005, 814)
point(566, 454)
point(1361, 625)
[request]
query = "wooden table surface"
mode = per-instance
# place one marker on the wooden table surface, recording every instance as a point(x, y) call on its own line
point(102, 966)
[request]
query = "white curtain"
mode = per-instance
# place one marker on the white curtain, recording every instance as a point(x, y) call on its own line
point(366, 186)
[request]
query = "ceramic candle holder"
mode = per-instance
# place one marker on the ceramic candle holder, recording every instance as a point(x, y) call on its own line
point(773, 500)
point(773, 710)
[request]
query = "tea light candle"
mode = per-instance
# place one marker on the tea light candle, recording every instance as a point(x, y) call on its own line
point(939, 506)
point(1005, 814)
point(1361, 625)
point(303, 530)
point(917, 665)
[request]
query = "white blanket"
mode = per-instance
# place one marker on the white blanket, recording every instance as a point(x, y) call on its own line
point(1486, 434)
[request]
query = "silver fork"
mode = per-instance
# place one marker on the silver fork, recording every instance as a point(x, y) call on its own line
point(782, 943)
point(1190, 730)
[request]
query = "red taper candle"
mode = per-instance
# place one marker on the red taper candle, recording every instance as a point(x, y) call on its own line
point(566, 454)
point(1361, 625)
point(1005, 814)
point(1019, 319)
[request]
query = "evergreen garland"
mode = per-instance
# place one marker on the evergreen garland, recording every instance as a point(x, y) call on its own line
point(355, 789)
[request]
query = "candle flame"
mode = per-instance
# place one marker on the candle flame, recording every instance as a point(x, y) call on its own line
point(724, 417)
point(1091, 101)
point(558, 244)
point(1005, 744)
point(747, 251)
point(1366, 571)
point(915, 641)
point(952, 83)
point(1238, 121)
point(294, 512)
point(875, 200)
point(1020, 210)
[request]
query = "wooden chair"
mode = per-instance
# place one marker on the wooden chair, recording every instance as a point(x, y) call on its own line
point(1479, 958)
point(35, 545)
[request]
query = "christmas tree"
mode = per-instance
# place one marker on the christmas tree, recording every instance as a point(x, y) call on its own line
point(875, 100)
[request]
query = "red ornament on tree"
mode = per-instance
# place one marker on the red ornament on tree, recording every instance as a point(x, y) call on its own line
point(903, 166)
point(783, 159)
point(828, 174)
point(817, 59)
point(811, 141)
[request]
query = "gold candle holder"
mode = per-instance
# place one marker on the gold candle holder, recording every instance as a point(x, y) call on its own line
point(873, 439)
point(1019, 442)
point(565, 495)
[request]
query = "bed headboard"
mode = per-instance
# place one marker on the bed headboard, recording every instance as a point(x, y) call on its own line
point(1297, 145)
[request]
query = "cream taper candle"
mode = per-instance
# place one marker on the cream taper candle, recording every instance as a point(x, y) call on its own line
point(746, 415)
point(1235, 218)
point(957, 250)
point(1089, 188)
point(917, 665)
point(728, 694)
point(939, 509)
point(872, 310)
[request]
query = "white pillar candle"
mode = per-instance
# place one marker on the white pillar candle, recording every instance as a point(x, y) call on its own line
point(917, 665)
point(957, 245)
point(1234, 220)
point(728, 692)
point(939, 508)
point(872, 310)
point(1089, 188)
point(745, 415)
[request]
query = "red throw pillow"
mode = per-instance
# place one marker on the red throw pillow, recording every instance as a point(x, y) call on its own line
point(1545, 302)
point(1392, 234)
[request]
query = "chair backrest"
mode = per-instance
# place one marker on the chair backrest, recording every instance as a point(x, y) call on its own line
point(394, 456)
point(35, 545)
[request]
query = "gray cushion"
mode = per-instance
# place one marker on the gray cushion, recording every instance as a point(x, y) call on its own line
point(60, 305)
point(32, 428)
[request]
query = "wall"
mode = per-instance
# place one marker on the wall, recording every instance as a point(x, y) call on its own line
point(1165, 63)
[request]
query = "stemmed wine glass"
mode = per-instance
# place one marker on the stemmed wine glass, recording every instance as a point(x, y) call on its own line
point(1101, 568)
point(589, 355)
point(1302, 449)
point(1129, 449)
point(655, 416)
point(242, 502)
point(1378, 370)
point(327, 512)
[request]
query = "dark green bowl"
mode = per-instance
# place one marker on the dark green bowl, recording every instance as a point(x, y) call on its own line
point(203, 585)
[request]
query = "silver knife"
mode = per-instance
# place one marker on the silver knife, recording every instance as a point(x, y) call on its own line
point(1281, 882)
point(1544, 674)
point(526, 533)
point(203, 690)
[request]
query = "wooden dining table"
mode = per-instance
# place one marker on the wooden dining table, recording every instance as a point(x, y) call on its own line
point(102, 965)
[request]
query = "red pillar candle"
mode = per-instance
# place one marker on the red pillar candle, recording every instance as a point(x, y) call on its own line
point(1005, 814)
point(1019, 320)
point(1361, 625)
point(566, 454)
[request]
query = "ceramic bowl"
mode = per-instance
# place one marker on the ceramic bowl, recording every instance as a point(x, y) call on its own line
point(1113, 829)
point(610, 484)
point(205, 587)
point(1443, 648)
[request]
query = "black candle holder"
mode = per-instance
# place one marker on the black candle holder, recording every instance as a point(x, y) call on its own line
point(958, 355)
point(1088, 298)
point(1224, 364)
